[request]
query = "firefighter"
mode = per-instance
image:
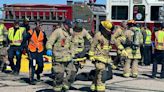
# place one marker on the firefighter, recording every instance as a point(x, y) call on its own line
point(99, 54)
point(130, 48)
point(36, 39)
point(15, 36)
point(3, 46)
point(159, 52)
point(80, 45)
point(59, 47)
point(147, 46)
point(117, 37)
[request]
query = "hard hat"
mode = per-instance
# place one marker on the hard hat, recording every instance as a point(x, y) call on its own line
point(107, 24)
point(78, 27)
point(68, 22)
point(131, 21)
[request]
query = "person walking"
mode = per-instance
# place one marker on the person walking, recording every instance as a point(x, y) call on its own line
point(59, 47)
point(36, 45)
point(15, 37)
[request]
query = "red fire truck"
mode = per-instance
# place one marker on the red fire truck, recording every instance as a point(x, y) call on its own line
point(143, 11)
point(48, 14)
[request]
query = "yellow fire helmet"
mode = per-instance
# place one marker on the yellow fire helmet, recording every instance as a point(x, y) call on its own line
point(131, 21)
point(107, 24)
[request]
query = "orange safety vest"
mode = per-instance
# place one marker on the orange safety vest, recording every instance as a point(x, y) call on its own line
point(36, 42)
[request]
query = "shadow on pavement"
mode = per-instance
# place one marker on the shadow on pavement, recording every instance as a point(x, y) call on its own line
point(49, 82)
point(7, 71)
point(83, 89)
point(149, 76)
point(85, 76)
point(118, 74)
point(46, 90)
point(25, 80)
point(50, 75)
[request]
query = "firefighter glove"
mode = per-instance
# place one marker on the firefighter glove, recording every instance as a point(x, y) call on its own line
point(124, 53)
point(17, 52)
point(92, 58)
point(49, 53)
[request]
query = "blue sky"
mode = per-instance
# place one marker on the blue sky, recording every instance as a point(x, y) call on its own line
point(39, 2)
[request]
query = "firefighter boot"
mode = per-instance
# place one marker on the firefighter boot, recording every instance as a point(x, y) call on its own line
point(66, 87)
point(100, 88)
point(126, 75)
point(93, 87)
point(57, 88)
point(114, 67)
point(135, 75)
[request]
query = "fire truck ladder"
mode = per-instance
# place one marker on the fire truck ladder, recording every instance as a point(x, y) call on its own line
point(44, 14)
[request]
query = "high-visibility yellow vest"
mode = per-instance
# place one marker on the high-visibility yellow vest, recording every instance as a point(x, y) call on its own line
point(159, 41)
point(17, 38)
point(148, 37)
point(1, 32)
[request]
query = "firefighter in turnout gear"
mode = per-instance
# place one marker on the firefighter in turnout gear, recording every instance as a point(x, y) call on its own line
point(117, 37)
point(15, 36)
point(80, 45)
point(130, 48)
point(99, 54)
point(3, 46)
point(59, 47)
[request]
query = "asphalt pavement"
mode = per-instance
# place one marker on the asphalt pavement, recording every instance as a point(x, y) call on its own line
point(144, 82)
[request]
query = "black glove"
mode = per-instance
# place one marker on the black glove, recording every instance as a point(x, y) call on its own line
point(134, 47)
point(80, 55)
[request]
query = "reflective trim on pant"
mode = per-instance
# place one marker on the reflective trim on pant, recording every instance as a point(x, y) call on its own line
point(135, 67)
point(127, 66)
point(100, 67)
point(59, 70)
